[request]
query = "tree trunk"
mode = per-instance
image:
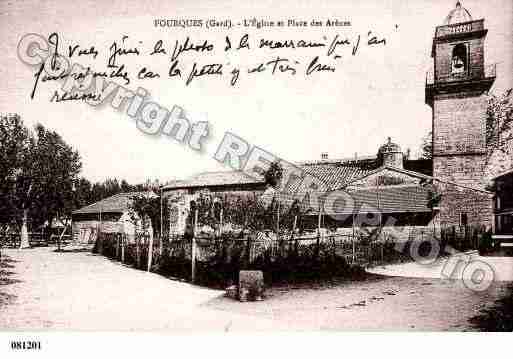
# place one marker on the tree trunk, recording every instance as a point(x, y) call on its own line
point(50, 220)
point(24, 243)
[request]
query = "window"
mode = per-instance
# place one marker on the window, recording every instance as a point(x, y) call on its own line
point(459, 59)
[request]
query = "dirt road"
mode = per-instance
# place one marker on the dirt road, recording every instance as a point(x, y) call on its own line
point(41, 289)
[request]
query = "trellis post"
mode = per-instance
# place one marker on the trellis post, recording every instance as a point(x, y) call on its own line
point(150, 251)
point(193, 249)
point(123, 243)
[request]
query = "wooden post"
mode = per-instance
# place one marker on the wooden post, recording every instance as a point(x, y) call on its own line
point(123, 243)
point(150, 251)
point(278, 220)
point(137, 252)
point(248, 250)
point(294, 225)
point(221, 222)
point(318, 233)
point(117, 246)
point(161, 245)
point(60, 239)
point(193, 247)
point(100, 238)
point(353, 240)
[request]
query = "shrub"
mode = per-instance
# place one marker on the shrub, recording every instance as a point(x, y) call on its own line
point(485, 243)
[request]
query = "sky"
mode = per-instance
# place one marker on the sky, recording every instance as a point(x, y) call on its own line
point(376, 94)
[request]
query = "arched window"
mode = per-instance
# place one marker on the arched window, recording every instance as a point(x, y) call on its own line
point(459, 59)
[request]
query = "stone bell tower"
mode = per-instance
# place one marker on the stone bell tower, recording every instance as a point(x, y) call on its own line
point(456, 91)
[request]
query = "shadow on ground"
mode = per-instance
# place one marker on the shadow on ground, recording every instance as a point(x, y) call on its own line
point(499, 317)
point(501, 252)
point(6, 262)
point(72, 250)
point(6, 279)
point(6, 299)
point(6, 275)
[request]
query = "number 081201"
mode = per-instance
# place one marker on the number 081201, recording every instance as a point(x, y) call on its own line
point(25, 345)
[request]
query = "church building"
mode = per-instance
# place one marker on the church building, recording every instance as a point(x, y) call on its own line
point(450, 190)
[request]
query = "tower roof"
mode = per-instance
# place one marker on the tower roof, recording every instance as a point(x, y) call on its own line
point(457, 15)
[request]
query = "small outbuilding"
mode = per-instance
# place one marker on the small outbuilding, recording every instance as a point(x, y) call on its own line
point(110, 215)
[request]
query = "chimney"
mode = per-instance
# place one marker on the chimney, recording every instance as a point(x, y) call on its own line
point(324, 155)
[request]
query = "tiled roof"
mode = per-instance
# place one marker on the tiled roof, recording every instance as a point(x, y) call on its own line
point(389, 199)
point(385, 199)
point(332, 175)
point(115, 204)
point(209, 179)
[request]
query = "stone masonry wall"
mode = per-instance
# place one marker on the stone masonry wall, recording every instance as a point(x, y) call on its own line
point(477, 205)
point(459, 124)
point(467, 171)
point(459, 139)
point(444, 56)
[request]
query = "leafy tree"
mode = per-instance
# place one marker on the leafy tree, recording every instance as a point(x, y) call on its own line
point(148, 205)
point(83, 194)
point(499, 133)
point(40, 170)
point(56, 167)
point(499, 121)
point(274, 175)
point(125, 187)
point(427, 146)
point(15, 146)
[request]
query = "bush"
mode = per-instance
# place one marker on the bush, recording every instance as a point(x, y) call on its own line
point(485, 243)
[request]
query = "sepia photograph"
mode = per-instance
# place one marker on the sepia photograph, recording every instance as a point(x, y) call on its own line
point(184, 168)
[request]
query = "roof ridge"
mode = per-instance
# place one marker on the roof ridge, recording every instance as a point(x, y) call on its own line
point(336, 160)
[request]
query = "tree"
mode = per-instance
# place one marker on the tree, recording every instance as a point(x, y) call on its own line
point(125, 187)
point(148, 205)
point(40, 170)
point(56, 167)
point(499, 121)
point(273, 175)
point(83, 195)
point(427, 146)
point(499, 133)
point(15, 145)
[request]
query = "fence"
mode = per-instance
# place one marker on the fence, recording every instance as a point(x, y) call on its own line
point(216, 260)
point(36, 239)
point(463, 238)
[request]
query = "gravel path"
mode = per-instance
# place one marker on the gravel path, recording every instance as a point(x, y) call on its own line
point(41, 289)
point(501, 266)
point(376, 304)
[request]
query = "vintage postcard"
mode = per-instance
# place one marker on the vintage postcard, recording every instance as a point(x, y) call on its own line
point(183, 167)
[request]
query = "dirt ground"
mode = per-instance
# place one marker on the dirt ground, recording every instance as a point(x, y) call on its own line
point(76, 290)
